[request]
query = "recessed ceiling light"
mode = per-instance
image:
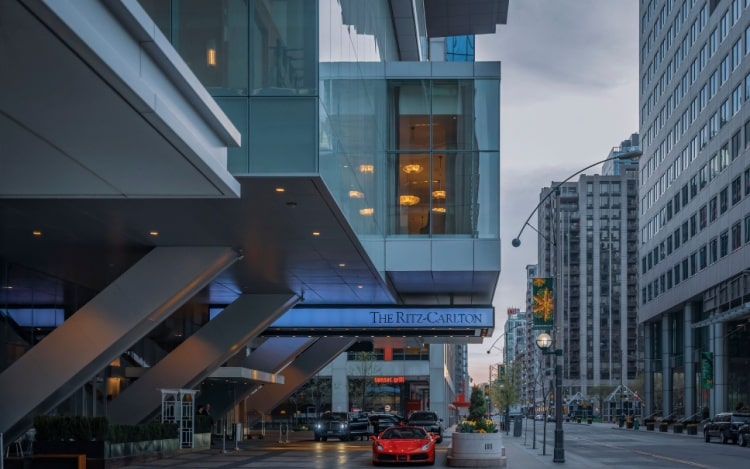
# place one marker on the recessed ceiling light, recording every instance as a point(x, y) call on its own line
point(8, 287)
point(36, 233)
point(153, 233)
point(280, 189)
point(342, 265)
point(316, 233)
point(360, 286)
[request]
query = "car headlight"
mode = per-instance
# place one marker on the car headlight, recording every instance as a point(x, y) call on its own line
point(317, 425)
point(426, 447)
point(380, 447)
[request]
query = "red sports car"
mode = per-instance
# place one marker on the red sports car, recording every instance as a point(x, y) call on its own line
point(403, 444)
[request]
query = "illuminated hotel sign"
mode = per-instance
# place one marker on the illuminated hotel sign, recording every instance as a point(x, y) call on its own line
point(389, 379)
point(388, 317)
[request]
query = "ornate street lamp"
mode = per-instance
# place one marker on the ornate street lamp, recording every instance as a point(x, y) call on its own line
point(544, 342)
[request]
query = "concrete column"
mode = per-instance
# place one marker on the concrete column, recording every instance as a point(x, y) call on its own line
point(103, 329)
point(689, 353)
point(200, 354)
point(719, 347)
point(299, 372)
point(666, 369)
point(340, 385)
point(648, 381)
point(438, 398)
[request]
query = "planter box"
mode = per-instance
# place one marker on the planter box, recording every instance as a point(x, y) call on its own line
point(650, 426)
point(692, 429)
point(477, 450)
point(663, 428)
point(677, 428)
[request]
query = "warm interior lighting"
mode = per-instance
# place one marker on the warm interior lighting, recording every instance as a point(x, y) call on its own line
point(409, 199)
point(438, 209)
point(356, 195)
point(412, 168)
point(439, 194)
point(153, 233)
point(366, 168)
point(366, 211)
point(280, 189)
point(36, 233)
point(211, 53)
point(316, 233)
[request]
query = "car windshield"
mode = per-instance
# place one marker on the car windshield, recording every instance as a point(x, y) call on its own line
point(429, 416)
point(404, 433)
point(333, 417)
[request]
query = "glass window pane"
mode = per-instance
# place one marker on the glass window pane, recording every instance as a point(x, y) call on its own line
point(411, 207)
point(212, 39)
point(411, 109)
point(284, 48)
point(453, 114)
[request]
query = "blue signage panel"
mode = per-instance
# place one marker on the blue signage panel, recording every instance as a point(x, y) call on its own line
point(387, 317)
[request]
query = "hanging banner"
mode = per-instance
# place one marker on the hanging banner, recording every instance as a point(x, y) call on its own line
point(707, 370)
point(543, 303)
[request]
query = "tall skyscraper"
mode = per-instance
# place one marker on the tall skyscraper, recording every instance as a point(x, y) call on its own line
point(694, 187)
point(587, 244)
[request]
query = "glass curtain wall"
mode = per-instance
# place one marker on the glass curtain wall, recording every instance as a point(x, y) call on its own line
point(434, 160)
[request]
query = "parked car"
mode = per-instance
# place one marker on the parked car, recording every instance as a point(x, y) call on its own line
point(403, 444)
point(429, 420)
point(743, 434)
point(342, 426)
point(725, 426)
point(381, 421)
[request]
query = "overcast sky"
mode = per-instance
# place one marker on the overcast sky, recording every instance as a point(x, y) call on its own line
point(568, 94)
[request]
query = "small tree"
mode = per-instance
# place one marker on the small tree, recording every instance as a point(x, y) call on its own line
point(477, 405)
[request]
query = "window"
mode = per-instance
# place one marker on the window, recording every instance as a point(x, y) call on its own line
point(703, 216)
point(676, 237)
point(736, 190)
point(723, 200)
point(713, 211)
point(747, 229)
point(736, 236)
point(724, 243)
point(713, 251)
point(736, 145)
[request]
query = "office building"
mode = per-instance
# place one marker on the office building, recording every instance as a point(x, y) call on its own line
point(587, 245)
point(694, 205)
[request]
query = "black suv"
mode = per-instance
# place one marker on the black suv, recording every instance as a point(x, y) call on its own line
point(342, 426)
point(430, 421)
point(380, 422)
point(743, 434)
point(725, 426)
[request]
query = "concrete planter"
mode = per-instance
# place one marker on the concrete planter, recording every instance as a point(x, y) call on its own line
point(476, 450)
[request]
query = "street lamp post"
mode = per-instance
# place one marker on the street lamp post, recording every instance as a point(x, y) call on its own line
point(544, 342)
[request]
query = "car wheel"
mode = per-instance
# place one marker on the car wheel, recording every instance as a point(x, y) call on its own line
point(741, 440)
point(706, 436)
point(723, 438)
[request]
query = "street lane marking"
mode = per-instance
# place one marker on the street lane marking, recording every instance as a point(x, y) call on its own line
point(666, 458)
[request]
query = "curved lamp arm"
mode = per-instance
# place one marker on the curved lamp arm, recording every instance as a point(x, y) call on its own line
point(517, 240)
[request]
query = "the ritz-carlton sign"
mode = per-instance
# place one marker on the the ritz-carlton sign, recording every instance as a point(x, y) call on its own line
point(429, 318)
point(387, 317)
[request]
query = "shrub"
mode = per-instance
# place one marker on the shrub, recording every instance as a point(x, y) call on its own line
point(62, 428)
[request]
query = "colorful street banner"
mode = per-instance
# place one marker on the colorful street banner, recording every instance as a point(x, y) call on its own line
point(707, 370)
point(543, 303)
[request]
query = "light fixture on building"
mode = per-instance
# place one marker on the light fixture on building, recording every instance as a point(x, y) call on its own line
point(438, 194)
point(356, 194)
point(366, 168)
point(438, 209)
point(408, 199)
point(211, 53)
point(412, 168)
point(367, 211)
